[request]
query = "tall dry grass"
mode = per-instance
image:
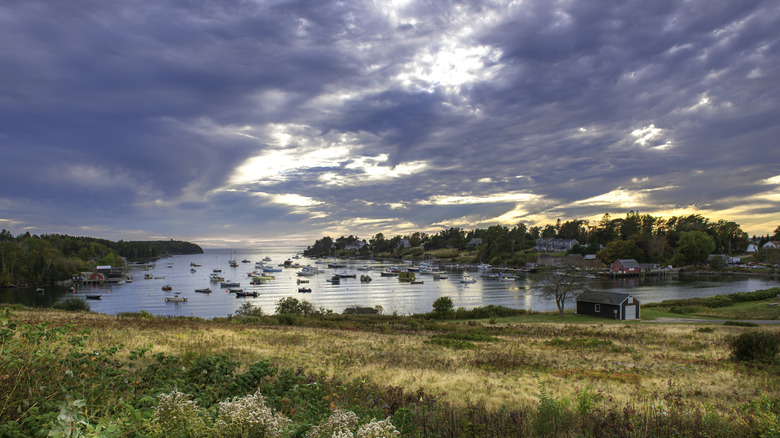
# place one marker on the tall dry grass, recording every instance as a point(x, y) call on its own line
point(620, 364)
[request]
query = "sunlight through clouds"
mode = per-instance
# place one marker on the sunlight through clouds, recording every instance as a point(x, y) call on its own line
point(479, 199)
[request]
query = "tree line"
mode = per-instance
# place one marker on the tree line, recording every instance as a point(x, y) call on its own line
point(678, 240)
point(32, 259)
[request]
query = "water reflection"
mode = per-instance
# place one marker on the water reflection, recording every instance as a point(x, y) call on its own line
point(387, 292)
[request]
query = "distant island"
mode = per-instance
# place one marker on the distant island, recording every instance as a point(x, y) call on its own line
point(48, 258)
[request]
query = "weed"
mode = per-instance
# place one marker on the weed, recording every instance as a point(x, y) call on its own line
point(755, 346)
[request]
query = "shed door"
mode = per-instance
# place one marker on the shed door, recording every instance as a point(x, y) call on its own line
point(630, 312)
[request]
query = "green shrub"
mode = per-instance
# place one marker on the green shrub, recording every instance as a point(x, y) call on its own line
point(755, 346)
point(72, 304)
point(741, 323)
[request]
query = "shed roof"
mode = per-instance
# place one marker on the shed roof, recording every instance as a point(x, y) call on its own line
point(629, 263)
point(601, 297)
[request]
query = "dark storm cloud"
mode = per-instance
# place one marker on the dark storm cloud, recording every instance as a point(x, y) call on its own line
point(138, 116)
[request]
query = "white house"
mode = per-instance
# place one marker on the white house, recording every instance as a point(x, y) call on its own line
point(774, 244)
point(356, 245)
point(554, 245)
point(752, 248)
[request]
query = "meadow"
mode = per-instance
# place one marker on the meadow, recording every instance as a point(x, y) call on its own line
point(86, 374)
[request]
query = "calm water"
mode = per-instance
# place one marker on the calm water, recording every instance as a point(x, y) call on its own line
point(387, 292)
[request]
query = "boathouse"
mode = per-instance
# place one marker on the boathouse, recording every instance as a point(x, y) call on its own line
point(610, 305)
point(625, 267)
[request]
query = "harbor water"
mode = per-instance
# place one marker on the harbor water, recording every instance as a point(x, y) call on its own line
point(389, 293)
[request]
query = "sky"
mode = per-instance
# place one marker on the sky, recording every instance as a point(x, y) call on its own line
point(250, 123)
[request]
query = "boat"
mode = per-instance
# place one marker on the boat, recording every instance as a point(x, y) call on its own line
point(302, 281)
point(345, 275)
point(365, 278)
point(306, 273)
point(417, 282)
point(215, 277)
point(194, 264)
point(468, 279)
point(388, 274)
point(229, 284)
point(205, 291)
point(233, 263)
point(40, 290)
point(245, 261)
point(93, 296)
point(176, 298)
point(148, 276)
point(334, 280)
point(260, 279)
point(217, 270)
point(167, 287)
point(246, 294)
point(439, 277)
point(235, 290)
point(266, 259)
point(304, 290)
point(193, 270)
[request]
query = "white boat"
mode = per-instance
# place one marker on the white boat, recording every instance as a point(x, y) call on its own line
point(176, 298)
point(266, 259)
point(468, 279)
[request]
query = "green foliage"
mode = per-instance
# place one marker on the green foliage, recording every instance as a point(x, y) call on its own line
point(443, 306)
point(741, 324)
point(553, 416)
point(755, 346)
point(291, 306)
point(249, 310)
point(693, 247)
point(34, 259)
point(688, 305)
point(489, 311)
point(73, 304)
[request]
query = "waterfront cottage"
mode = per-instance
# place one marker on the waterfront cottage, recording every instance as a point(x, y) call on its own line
point(610, 305)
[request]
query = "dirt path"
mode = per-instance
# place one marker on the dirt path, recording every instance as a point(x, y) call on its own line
point(715, 321)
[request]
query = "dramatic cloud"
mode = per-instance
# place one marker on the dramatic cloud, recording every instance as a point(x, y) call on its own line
point(249, 122)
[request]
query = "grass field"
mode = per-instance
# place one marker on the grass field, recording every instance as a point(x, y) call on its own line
point(519, 364)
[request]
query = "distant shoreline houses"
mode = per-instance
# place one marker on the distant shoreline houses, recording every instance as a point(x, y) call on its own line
point(555, 245)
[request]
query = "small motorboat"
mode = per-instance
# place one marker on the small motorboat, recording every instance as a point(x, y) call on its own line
point(467, 279)
point(365, 278)
point(417, 282)
point(93, 296)
point(204, 291)
point(176, 298)
point(302, 281)
point(167, 287)
point(193, 270)
point(304, 290)
point(246, 294)
point(229, 284)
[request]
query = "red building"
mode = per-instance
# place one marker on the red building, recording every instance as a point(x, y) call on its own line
point(626, 267)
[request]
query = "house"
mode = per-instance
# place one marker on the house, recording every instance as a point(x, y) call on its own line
point(403, 243)
point(626, 267)
point(476, 241)
point(554, 245)
point(610, 305)
point(752, 248)
point(774, 244)
point(356, 245)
